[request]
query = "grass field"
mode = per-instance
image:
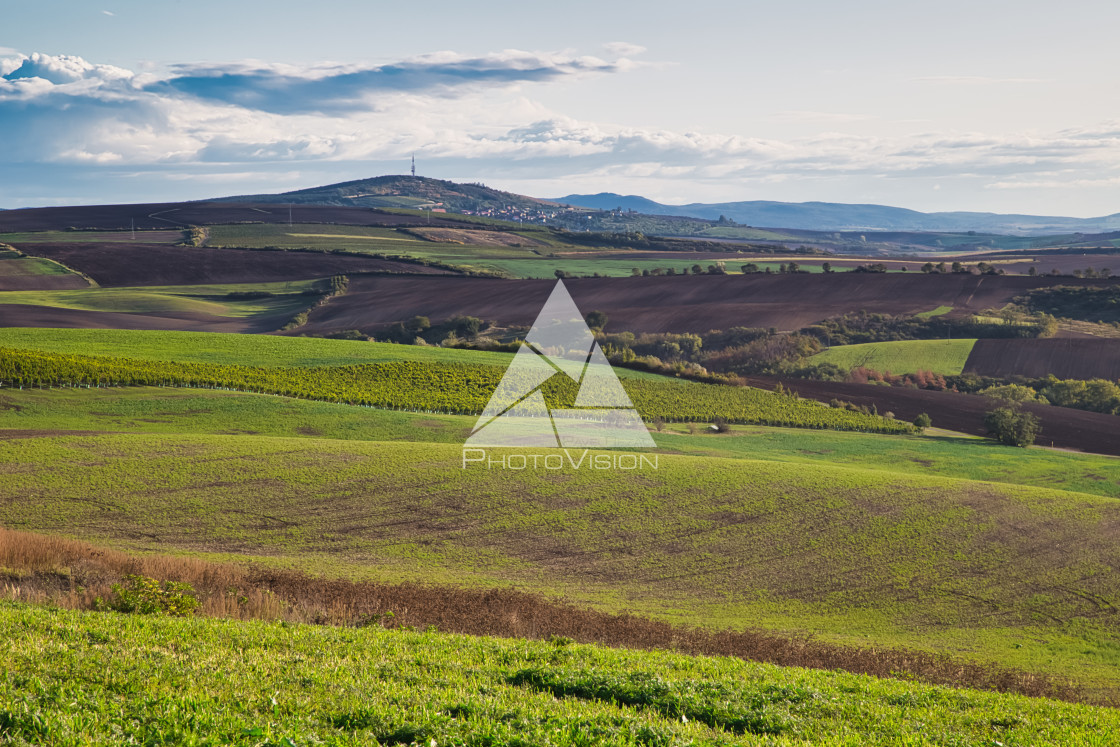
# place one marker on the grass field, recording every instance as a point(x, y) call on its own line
point(89, 237)
point(901, 357)
point(855, 555)
point(22, 266)
point(190, 299)
point(107, 679)
point(166, 410)
point(939, 311)
point(313, 236)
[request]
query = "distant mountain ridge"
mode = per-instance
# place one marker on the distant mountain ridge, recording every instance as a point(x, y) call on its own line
point(832, 216)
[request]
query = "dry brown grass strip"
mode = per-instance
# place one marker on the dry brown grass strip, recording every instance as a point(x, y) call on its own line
point(68, 573)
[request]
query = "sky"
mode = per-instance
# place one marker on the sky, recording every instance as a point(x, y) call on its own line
point(984, 105)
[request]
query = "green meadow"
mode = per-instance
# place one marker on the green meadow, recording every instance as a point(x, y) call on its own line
point(946, 357)
point(107, 679)
point(974, 569)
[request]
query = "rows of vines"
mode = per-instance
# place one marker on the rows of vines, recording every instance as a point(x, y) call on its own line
point(426, 387)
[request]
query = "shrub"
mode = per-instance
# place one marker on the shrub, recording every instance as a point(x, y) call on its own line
point(1012, 427)
point(147, 596)
point(923, 421)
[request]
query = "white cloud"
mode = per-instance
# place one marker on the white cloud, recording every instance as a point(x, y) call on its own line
point(243, 117)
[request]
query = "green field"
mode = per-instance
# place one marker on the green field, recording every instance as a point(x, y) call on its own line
point(285, 297)
point(168, 410)
point(939, 311)
point(946, 357)
point(855, 555)
point(108, 679)
point(313, 236)
point(162, 236)
point(28, 266)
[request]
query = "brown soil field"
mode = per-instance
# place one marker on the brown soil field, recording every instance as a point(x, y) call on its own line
point(686, 303)
point(1061, 427)
point(131, 264)
point(183, 214)
point(27, 315)
point(1066, 358)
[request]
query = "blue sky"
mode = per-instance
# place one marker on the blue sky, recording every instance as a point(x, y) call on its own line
point(994, 106)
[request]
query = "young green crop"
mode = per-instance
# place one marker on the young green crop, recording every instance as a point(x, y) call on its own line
point(108, 679)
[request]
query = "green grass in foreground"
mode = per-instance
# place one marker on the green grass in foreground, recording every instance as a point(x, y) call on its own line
point(109, 679)
point(193, 299)
point(946, 357)
point(170, 410)
point(861, 556)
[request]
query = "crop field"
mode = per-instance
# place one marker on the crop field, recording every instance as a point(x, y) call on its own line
point(129, 264)
point(189, 299)
point(851, 554)
point(180, 215)
point(239, 350)
point(313, 236)
point(902, 356)
point(224, 682)
point(429, 387)
point(670, 304)
point(82, 237)
point(193, 411)
point(1066, 358)
point(35, 273)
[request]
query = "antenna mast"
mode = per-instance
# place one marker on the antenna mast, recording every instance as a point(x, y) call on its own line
point(413, 165)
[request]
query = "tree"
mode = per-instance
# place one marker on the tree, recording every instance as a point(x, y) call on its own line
point(418, 324)
point(923, 421)
point(596, 319)
point(826, 267)
point(466, 326)
point(1032, 271)
point(1012, 427)
point(927, 267)
point(958, 268)
point(561, 274)
point(697, 270)
point(794, 267)
point(750, 268)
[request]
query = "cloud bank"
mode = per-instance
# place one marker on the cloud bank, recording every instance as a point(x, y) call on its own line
point(248, 116)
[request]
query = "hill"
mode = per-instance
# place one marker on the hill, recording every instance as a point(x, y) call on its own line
point(830, 216)
point(852, 554)
point(412, 192)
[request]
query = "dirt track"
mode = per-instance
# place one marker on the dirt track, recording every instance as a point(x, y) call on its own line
point(130, 264)
point(183, 214)
point(1066, 358)
point(671, 304)
point(1061, 427)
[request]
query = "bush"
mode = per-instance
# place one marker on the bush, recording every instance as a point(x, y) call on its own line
point(923, 421)
point(1012, 427)
point(147, 596)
